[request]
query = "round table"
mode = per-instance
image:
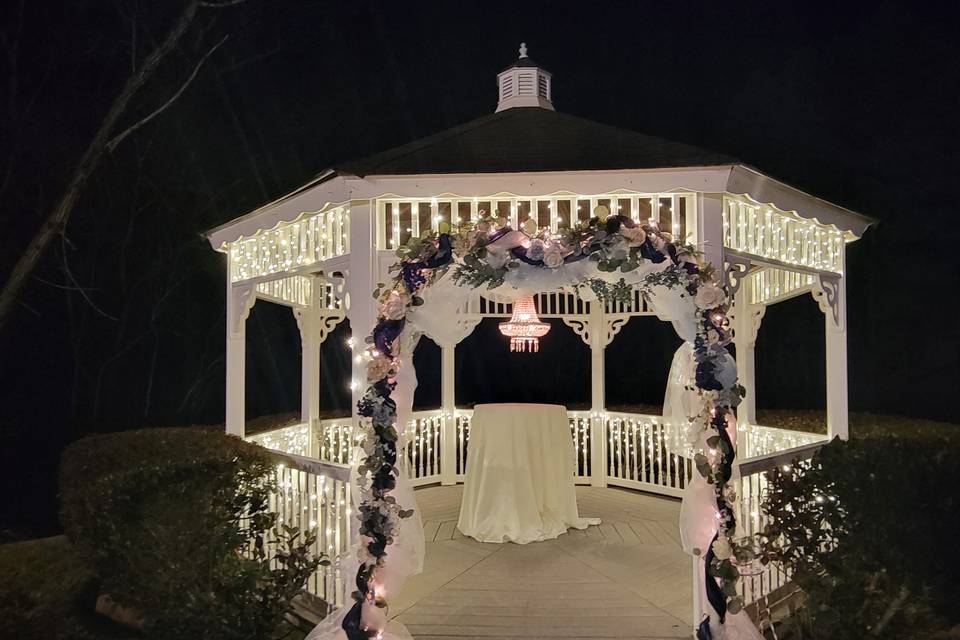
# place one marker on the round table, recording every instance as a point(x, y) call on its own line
point(519, 481)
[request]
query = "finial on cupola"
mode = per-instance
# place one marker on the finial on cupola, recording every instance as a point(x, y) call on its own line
point(525, 84)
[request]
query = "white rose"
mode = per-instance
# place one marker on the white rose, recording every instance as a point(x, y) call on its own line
point(722, 549)
point(658, 243)
point(710, 296)
point(394, 307)
point(553, 256)
point(535, 250)
point(497, 257)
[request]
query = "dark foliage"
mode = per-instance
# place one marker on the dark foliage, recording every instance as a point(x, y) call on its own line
point(176, 524)
point(868, 528)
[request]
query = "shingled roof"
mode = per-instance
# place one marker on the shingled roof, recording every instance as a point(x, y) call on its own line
point(532, 139)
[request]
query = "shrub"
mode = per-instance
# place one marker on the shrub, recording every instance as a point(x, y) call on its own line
point(867, 529)
point(176, 524)
point(45, 591)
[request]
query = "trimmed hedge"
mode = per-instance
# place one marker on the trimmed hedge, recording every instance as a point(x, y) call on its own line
point(175, 523)
point(869, 528)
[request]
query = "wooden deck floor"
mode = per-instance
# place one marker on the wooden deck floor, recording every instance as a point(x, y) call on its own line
point(626, 578)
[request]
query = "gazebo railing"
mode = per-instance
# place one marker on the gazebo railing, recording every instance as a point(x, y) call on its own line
point(316, 495)
point(640, 451)
point(762, 591)
point(314, 491)
point(641, 454)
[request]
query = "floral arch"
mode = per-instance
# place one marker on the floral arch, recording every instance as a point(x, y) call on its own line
point(603, 258)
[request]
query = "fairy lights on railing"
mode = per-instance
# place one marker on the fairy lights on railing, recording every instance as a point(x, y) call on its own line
point(399, 219)
point(310, 239)
point(308, 498)
point(639, 447)
point(755, 440)
point(762, 584)
point(763, 231)
point(293, 290)
point(640, 451)
point(772, 284)
point(294, 439)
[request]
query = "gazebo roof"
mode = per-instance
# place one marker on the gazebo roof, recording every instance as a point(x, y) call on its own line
point(525, 139)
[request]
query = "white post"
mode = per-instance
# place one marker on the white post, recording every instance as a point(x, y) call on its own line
point(699, 591)
point(238, 307)
point(836, 347)
point(308, 320)
point(745, 339)
point(448, 432)
point(710, 227)
point(598, 426)
point(360, 284)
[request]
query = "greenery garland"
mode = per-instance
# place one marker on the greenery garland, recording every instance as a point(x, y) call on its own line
point(616, 244)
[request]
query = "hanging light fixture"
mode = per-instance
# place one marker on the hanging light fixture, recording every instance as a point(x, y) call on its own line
point(524, 328)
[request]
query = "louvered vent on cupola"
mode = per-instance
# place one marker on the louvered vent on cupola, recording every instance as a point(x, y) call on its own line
point(524, 84)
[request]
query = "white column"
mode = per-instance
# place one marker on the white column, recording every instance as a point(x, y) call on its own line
point(448, 432)
point(238, 307)
point(836, 347)
point(598, 426)
point(308, 320)
point(710, 227)
point(360, 285)
point(745, 339)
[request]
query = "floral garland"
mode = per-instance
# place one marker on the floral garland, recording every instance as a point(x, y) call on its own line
point(617, 244)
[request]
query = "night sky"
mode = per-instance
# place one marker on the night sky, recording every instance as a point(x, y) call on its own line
point(123, 324)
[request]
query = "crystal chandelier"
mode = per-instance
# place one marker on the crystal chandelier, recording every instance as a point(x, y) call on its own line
point(524, 328)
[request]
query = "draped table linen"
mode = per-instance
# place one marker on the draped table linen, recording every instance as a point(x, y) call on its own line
point(520, 475)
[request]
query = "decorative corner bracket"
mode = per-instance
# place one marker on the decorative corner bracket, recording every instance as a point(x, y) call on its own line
point(322, 321)
point(827, 290)
point(612, 326)
point(241, 301)
point(581, 327)
point(752, 325)
point(735, 269)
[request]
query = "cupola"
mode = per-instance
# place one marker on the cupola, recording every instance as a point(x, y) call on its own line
point(524, 84)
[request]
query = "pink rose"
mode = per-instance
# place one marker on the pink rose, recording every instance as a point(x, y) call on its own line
point(379, 368)
point(636, 236)
point(394, 307)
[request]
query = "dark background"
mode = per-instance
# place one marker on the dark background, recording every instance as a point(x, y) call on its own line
point(123, 324)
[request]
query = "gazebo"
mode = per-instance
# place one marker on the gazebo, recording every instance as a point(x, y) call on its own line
point(323, 248)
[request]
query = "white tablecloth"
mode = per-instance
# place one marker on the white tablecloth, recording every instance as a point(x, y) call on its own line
point(519, 486)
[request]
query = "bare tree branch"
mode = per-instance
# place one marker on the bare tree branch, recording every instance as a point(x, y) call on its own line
point(220, 5)
point(82, 290)
point(57, 218)
point(196, 69)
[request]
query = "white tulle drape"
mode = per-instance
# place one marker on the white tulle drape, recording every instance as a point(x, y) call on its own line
point(681, 402)
point(438, 318)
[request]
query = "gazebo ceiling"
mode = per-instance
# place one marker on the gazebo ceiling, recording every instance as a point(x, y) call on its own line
point(524, 139)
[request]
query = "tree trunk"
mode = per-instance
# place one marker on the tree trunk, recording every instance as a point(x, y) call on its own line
point(57, 219)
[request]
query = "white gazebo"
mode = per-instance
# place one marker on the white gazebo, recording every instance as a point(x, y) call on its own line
point(323, 248)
